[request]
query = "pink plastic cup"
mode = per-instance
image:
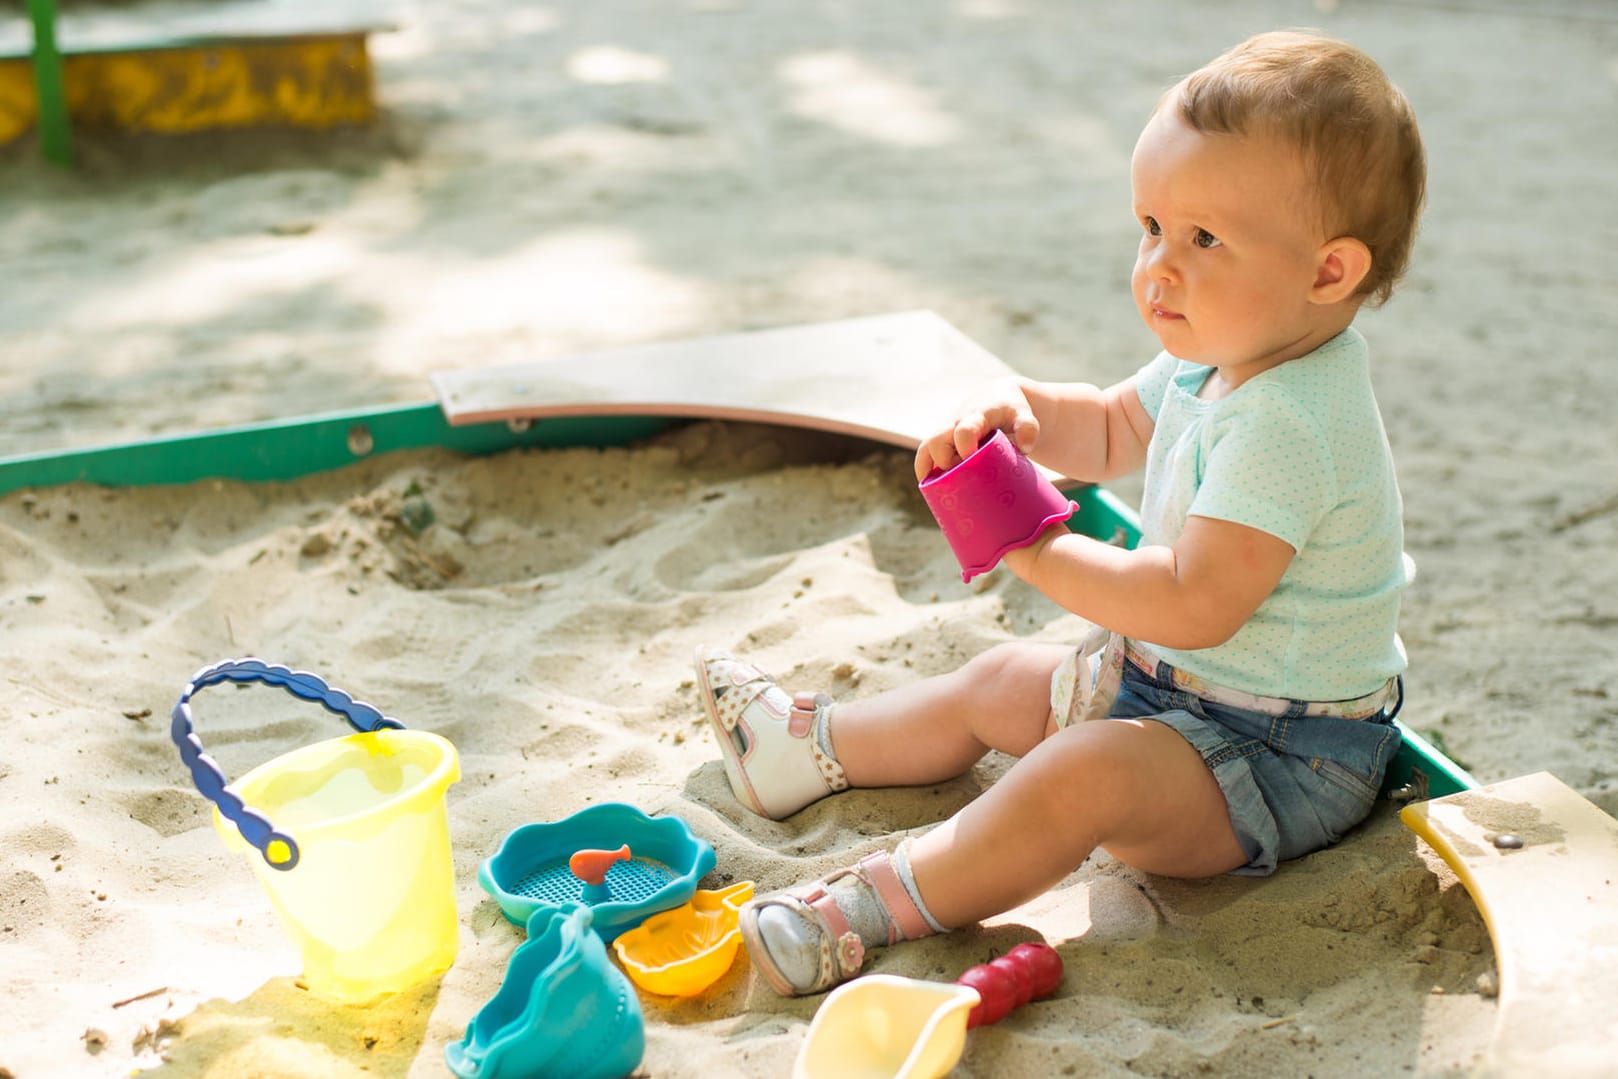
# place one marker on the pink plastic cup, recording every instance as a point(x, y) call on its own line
point(993, 502)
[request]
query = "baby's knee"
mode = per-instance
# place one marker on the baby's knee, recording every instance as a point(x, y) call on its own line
point(1007, 691)
point(1088, 763)
point(1014, 667)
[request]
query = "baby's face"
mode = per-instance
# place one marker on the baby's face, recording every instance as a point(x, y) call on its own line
point(1229, 239)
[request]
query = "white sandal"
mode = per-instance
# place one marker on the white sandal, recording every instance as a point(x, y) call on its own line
point(772, 758)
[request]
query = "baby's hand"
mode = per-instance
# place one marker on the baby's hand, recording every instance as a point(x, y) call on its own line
point(1006, 410)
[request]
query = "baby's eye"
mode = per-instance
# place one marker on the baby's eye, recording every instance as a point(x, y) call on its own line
point(1205, 238)
point(1152, 228)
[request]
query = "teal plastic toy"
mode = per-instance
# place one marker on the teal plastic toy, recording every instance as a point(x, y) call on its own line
point(563, 1010)
point(533, 869)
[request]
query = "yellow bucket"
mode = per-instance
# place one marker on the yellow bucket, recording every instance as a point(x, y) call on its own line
point(357, 862)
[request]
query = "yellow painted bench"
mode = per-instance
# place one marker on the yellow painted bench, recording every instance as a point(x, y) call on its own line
point(185, 83)
point(1541, 863)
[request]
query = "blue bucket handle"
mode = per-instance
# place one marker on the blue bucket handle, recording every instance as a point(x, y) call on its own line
point(205, 771)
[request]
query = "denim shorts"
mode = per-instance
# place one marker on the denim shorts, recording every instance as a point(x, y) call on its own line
point(1294, 783)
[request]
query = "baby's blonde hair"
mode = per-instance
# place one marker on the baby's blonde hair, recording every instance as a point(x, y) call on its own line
point(1355, 129)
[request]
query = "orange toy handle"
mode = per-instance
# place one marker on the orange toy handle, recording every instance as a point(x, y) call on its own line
point(591, 866)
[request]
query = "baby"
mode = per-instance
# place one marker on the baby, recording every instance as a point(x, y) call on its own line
point(1234, 706)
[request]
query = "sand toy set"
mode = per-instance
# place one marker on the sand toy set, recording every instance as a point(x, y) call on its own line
point(563, 1008)
point(350, 839)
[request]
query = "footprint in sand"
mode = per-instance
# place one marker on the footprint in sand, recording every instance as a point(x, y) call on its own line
point(25, 898)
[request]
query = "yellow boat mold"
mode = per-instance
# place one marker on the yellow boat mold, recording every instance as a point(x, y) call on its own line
point(683, 951)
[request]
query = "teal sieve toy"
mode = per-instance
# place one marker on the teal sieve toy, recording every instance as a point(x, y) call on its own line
point(563, 1010)
point(533, 869)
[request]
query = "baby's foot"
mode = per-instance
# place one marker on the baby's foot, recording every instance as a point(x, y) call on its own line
point(777, 749)
point(808, 940)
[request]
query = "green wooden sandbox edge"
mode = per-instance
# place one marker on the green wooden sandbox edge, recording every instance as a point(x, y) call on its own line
point(288, 449)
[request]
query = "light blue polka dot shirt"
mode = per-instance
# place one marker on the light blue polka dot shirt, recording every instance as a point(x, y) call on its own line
point(1299, 452)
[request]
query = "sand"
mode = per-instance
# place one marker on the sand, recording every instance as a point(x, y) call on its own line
point(557, 178)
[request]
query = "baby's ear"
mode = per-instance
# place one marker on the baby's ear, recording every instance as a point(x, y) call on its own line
point(1340, 267)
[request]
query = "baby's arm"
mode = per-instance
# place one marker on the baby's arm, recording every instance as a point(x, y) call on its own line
point(1196, 594)
point(1075, 428)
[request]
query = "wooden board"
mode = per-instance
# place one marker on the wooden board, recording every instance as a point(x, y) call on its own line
point(892, 378)
point(1551, 906)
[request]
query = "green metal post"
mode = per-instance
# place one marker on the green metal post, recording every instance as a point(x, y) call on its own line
point(55, 132)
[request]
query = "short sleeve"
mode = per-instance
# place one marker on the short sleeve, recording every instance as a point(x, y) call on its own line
point(1152, 382)
point(1270, 468)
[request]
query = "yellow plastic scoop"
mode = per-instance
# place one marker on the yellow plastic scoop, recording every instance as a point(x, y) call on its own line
point(883, 1026)
point(683, 951)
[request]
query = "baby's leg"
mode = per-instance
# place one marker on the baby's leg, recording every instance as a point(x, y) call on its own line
point(783, 752)
point(937, 728)
point(1134, 787)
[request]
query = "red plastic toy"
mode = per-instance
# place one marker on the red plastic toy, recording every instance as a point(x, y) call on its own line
point(1027, 972)
point(591, 866)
